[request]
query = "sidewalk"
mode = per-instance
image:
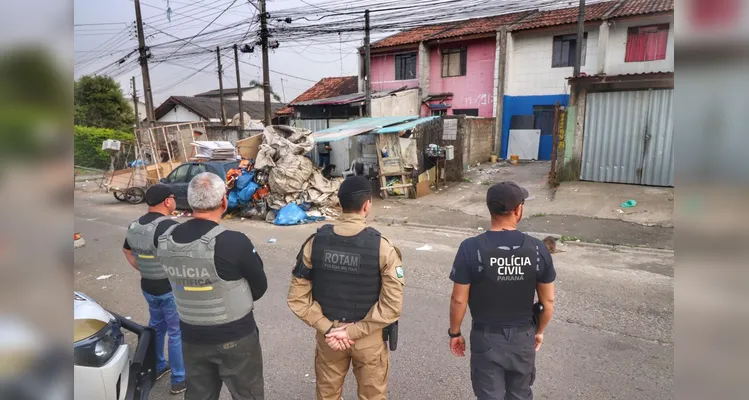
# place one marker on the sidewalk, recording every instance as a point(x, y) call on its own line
point(588, 211)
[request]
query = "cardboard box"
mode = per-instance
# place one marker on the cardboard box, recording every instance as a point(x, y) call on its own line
point(248, 148)
point(423, 189)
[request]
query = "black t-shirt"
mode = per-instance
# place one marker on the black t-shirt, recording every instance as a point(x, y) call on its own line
point(235, 258)
point(465, 267)
point(154, 287)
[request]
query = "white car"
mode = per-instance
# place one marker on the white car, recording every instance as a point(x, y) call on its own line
point(103, 368)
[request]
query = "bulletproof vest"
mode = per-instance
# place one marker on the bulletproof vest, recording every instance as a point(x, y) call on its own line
point(140, 239)
point(202, 297)
point(507, 282)
point(346, 277)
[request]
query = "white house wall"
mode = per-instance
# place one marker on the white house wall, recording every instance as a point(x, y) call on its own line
point(179, 114)
point(617, 47)
point(401, 104)
point(530, 72)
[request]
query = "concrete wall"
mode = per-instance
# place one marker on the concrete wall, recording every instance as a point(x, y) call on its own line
point(476, 88)
point(478, 139)
point(399, 104)
point(383, 72)
point(530, 56)
point(617, 46)
point(179, 114)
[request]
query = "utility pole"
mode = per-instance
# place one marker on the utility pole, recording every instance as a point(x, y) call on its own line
point(580, 39)
point(239, 90)
point(143, 59)
point(135, 103)
point(221, 86)
point(367, 80)
point(266, 71)
point(283, 91)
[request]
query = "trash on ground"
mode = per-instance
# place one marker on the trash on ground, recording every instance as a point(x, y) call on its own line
point(292, 214)
point(481, 229)
point(387, 207)
point(425, 247)
point(629, 204)
point(272, 240)
point(102, 277)
point(531, 198)
point(620, 211)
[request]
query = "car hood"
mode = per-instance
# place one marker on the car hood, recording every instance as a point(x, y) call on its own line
point(89, 317)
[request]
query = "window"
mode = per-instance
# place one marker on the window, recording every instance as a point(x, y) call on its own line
point(439, 113)
point(454, 62)
point(179, 175)
point(405, 66)
point(471, 112)
point(196, 169)
point(563, 53)
point(646, 43)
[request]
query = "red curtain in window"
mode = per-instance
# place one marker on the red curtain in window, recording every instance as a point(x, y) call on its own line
point(646, 44)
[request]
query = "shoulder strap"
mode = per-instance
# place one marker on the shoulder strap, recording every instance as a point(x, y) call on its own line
point(301, 249)
point(210, 235)
point(165, 236)
point(158, 220)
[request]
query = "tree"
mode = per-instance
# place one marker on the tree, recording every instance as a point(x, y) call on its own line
point(99, 103)
point(256, 84)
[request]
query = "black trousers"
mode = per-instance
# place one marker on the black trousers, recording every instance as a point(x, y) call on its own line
point(503, 363)
point(237, 364)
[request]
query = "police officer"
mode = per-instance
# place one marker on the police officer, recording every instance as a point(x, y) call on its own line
point(497, 274)
point(348, 285)
point(217, 276)
point(140, 250)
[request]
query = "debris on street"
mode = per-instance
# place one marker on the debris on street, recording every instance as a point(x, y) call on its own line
point(102, 277)
point(629, 204)
point(425, 247)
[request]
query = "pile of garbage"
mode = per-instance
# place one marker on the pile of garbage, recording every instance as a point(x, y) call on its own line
point(281, 184)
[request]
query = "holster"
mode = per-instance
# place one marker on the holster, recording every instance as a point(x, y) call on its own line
point(538, 309)
point(390, 335)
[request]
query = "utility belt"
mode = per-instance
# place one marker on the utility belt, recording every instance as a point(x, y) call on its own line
point(390, 335)
point(538, 309)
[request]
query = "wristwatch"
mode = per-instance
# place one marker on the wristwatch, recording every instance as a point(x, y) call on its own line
point(454, 335)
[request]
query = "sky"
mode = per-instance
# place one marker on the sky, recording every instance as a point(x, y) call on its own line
point(308, 62)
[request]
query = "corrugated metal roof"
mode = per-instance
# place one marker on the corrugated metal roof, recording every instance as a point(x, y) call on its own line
point(640, 7)
point(357, 127)
point(404, 126)
point(210, 107)
point(350, 98)
point(565, 16)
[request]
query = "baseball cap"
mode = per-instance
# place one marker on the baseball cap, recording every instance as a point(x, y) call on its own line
point(354, 185)
point(505, 196)
point(156, 194)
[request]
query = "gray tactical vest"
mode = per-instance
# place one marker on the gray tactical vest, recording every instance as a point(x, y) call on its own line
point(202, 297)
point(140, 239)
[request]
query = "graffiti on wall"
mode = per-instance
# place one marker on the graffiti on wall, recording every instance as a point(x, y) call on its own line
point(562, 133)
point(479, 100)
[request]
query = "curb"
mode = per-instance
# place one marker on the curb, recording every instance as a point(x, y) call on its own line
point(402, 221)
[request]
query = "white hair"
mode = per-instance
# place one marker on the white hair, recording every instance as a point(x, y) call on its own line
point(205, 192)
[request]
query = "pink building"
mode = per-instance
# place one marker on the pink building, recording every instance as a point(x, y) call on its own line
point(453, 65)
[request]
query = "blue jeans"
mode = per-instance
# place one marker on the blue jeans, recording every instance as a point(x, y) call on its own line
point(324, 160)
point(164, 319)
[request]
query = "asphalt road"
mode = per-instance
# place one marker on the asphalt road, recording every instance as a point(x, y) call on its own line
point(610, 338)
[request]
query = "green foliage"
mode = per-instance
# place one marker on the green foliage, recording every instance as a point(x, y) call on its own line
point(34, 105)
point(570, 171)
point(256, 84)
point(88, 140)
point(99, 103)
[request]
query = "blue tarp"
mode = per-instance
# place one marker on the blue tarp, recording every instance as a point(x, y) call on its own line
point(404, 126)
point(292, 214)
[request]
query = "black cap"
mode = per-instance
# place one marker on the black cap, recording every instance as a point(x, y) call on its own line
point(354, 185)
point(504, 197)
point(156, 194)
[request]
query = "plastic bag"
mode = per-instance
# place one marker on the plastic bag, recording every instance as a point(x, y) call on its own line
point(244, 180)
point(290, 214)
point(233, 199)
point(245, 195)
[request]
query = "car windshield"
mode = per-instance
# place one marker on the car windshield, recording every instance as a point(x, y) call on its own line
point(230, 165)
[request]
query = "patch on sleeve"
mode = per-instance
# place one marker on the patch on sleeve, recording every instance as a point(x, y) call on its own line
point(254, 250)
point(399, 272)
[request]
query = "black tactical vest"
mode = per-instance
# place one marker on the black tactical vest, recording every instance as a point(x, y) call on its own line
point(346, 277)
point(506, 288)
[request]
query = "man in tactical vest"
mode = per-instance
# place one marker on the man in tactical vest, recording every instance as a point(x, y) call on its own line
point(497, 274)
point(348, 285)
point(140, 250)
point(217, 276)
